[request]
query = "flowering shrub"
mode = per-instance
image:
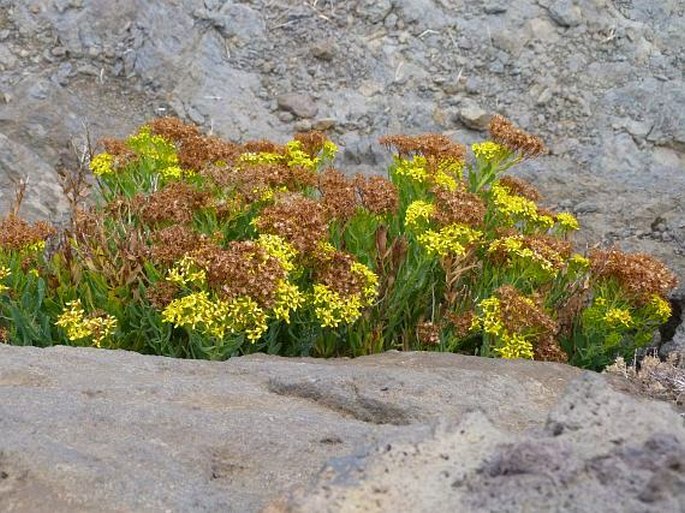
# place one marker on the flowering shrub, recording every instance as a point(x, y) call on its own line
point(199, 247)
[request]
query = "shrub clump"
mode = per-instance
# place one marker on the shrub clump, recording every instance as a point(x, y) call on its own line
point(204, 248)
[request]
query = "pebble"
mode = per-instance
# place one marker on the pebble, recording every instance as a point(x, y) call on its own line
point(473, 116)
point(301, 105)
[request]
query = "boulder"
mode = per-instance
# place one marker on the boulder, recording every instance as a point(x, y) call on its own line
point(85, 430)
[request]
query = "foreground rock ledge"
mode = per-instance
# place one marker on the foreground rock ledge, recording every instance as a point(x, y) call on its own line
point(85, 430)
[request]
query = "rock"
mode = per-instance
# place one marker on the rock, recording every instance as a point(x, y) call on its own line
point(473, 116)
point(301, 105)
point(566, 13)
point(324, 50)
point(94, 430)
point(576, 462)
point(323, 124)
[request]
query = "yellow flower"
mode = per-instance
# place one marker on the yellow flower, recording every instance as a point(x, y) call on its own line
point(489, 151)
point(332, 309)
point(414, 169)
point(4, 273)
point(215, 317)
point(515, 206)
point(579, 261)
point(661, 307)
point(451, 239)
point(74, 321)
point(288, 299)
point(490, 320)
point(567, 221)
point(618, 316)
point(514, 247)
point(515, 346)
point(101, 164)
point(280, 249)
point(370, 290)
point(185, 272)
point(418, 213)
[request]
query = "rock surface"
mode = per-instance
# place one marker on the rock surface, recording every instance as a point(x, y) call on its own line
point(84, 430)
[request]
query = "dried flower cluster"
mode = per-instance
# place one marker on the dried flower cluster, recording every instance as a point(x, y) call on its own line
point(505, 133)
point(16, 234)
point(176, 202)
point(639, 274)
point(299, 220)
point(195, 151)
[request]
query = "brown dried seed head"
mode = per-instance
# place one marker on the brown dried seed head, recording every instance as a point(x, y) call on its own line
point(461, 323)
point(428, 333)
point(161, 293)
point(335, 271)
point(299, 220)
point(263, 146)
point(312, 142)
point(173, 242)
point(547, 349)
point(520, 313)
point(641, 275)
point(458, 207)
point(17, 234)
point(520, 187)
point(242, 269)
point(176, 202)
point(338, 195)
point(377, 194)
point(505, 133)
point(435, 146)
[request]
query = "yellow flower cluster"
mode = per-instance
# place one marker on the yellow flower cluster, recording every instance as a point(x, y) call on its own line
point(518, 207)
point(185, 273)
point(280, 249)
point(418, 213)
point(489, 151)
point(660, 307)
point(451, 239)
point(332, 309)
point(199, 312)
point(161, 151)
point(414, 169)
point(567, 221)
point(513, 246)
point(579, 261)
point(4, 273)
point(294, 156)
point(515, 346)
point(370, 289)
point(78, 326)
point(510, 345)
point(101, 164)
point(616, 317)
point(288, 299)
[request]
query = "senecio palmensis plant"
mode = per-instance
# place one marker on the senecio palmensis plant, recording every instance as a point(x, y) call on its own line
point(204, 248)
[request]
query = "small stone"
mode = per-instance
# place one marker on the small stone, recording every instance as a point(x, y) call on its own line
point(473, 116)
point(285, 117)
point(323, 124)
point(59, 51)
point(303, 125)
point(301, 105)
point(544, 97)
point(565, 13)
point(324, 50)
point(495, 7)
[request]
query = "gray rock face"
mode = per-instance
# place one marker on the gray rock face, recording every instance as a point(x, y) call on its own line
point(585, 452)
point(84, 430)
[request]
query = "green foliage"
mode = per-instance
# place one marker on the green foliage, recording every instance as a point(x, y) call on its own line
point(200, 248)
